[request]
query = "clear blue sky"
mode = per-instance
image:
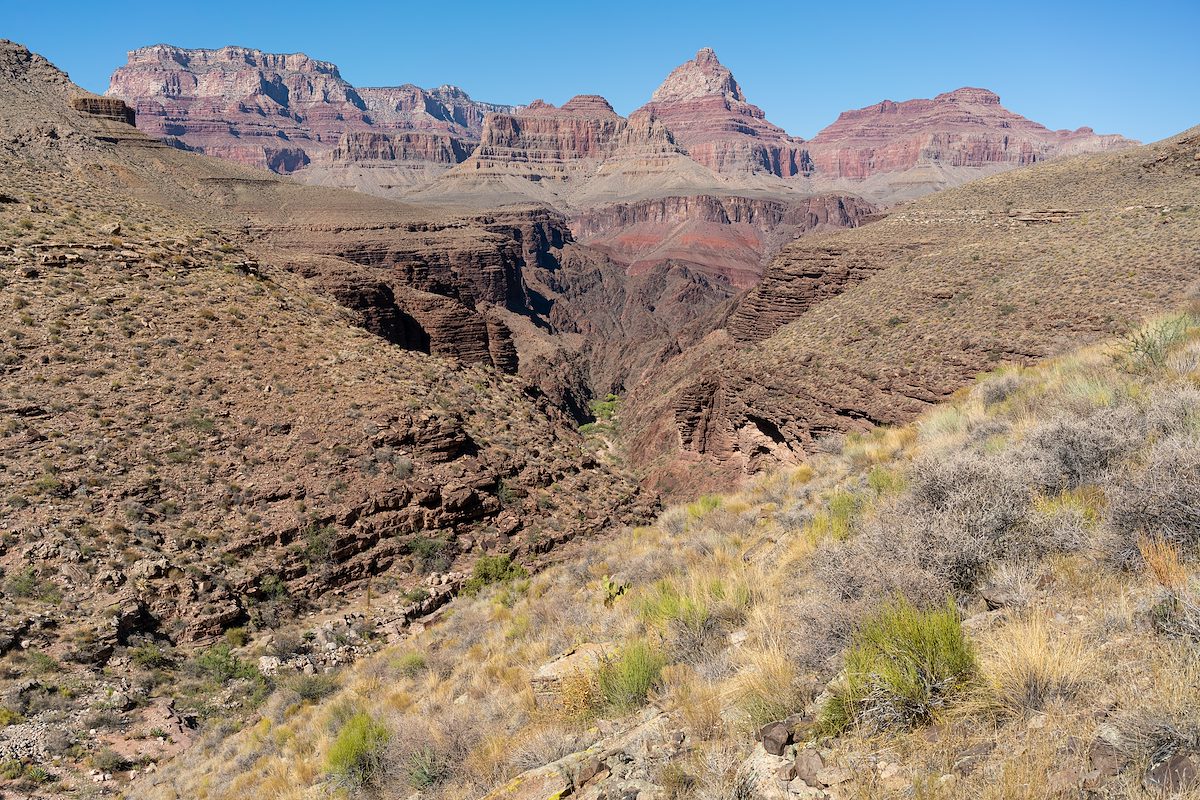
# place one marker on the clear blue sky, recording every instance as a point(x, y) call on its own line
point(1120, 67)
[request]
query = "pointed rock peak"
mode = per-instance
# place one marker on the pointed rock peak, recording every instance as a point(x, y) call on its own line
point(704, 76)
point(974, 96)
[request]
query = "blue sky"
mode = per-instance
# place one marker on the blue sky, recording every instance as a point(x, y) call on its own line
point(1131, 68)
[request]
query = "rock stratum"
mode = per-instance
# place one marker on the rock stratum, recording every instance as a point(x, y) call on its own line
point(902, 150)
point(289, 112)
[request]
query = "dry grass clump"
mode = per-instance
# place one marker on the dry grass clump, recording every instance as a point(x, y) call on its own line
point(1028, 665)
point(1179, 612)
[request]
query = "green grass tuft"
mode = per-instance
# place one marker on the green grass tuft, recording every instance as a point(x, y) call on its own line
point(356, 755)
point(902, 666)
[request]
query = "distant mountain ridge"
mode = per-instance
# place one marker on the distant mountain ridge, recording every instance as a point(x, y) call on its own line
point(285, 112)
point(697, 137)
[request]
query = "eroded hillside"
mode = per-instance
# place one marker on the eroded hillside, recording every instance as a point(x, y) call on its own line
point(871, 325)
point(998, 601)
point(199, 436)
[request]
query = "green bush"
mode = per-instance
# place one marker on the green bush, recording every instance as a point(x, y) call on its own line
point(9, 717)
point(26, 583)
point(107, 760)
point(902, 666)
point(492, 569)
point(1146, 349)
point(221, 665)
point(606, 408)
point(431, 554)
point(624, 682)
point(356, 755)
point(836, 521)
point(151, 656)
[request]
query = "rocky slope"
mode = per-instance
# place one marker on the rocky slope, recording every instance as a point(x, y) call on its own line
point(1036, 540)
point(290, 113)
point(199, 435)
point(870, 325)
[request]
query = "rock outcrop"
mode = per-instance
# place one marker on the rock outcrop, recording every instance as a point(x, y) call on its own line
point(575, 155)
point(707, 113)
point(727, 238)
point(105, 107)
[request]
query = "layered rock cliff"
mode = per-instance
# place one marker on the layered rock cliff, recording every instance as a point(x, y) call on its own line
point(965, 128)
point(284, 112)
point(724, 237)
point(571, 156)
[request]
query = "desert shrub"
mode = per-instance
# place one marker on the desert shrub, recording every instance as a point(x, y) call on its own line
point(429, 751)
point(685, 620)
point(1068, 522)
point(107, 760)
point(492, 569)
point(836, 519)
point(1071, 451)
point(769, 687)
point(999, 387)
point(1174, 410)
point(410, 664)
point(9, 717)
point(1179, 612)
point(1028, 666)
point(1147, 348)
point(319, 543)
point(152, 655)
point(425, 768)
point(886, 481)
point(535, 747)
point(219, 664)
point(1159, 497)
point(674, 521)
point(626, 680)
point(974, 507)
point(313, 687)
point(903, 665)
point(26, 583)
point(356, 755)
point(704, 505)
